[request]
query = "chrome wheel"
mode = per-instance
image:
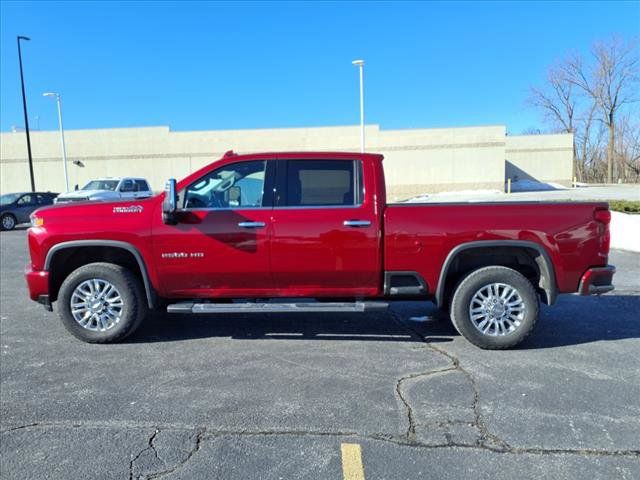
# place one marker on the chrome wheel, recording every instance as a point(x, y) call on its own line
point(497, 309)
point(96, 305)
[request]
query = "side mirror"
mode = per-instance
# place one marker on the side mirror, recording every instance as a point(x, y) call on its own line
point(170, 202)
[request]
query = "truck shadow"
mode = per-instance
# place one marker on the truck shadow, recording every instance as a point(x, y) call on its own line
point(572, 321)
point(379, 327)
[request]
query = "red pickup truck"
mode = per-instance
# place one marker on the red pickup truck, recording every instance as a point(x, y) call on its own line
point(293, 232)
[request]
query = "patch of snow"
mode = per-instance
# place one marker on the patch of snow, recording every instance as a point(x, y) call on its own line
point(418, 199)
point(625, 231)
point(534, 186)
point(455, 195)
point(557, 186)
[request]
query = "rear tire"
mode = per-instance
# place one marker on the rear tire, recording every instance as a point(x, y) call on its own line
point(101, 303)
point(494, 307)
point(8, 221)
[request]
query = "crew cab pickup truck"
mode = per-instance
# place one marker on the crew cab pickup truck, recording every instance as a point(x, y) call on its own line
point(295, 232)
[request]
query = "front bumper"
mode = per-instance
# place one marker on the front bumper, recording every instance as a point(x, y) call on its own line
point(597, 280)
point(38, 285)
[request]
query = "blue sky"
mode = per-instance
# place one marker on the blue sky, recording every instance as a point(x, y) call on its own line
point(198, 66)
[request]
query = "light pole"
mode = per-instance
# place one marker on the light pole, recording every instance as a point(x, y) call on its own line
point(360, 65)
point(26, 117)
point(64, 149)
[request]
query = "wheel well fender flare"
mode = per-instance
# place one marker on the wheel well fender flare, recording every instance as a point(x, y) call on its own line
point(148, 288)
point(543, 260)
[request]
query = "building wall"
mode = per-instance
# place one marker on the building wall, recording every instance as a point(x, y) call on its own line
point(416, 161)
point(545, 158)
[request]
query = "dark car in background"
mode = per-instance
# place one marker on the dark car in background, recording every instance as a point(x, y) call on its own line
point(15, 208)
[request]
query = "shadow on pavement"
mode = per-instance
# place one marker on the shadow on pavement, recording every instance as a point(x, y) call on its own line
point(163, 327)
point(578, 320)
point(572, 321)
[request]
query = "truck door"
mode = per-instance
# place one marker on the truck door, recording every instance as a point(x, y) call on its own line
point(220, 246)
point(326, 237)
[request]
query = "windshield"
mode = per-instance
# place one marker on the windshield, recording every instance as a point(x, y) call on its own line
point(8, 198)
point(101, 185)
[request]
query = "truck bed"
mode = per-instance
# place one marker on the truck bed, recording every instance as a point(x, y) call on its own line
point(420, 236)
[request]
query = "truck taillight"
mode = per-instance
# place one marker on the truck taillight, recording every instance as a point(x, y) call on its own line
point(603, 217)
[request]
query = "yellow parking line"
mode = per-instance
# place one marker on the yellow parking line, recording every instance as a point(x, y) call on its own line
point(352, 468)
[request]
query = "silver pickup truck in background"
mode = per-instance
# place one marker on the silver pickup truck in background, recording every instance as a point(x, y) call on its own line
point(109, 189)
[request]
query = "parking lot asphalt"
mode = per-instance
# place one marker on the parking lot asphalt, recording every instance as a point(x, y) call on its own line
point(276, 396)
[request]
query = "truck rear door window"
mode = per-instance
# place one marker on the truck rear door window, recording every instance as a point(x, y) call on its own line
point(321, 183)
point(141, 186)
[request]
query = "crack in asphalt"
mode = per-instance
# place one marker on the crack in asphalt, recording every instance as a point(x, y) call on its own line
point(411, 429)
point(197, 440)
point(170, 427)
point(149, 446)
point(485, 436)
point(486, 440)
point(201, 434)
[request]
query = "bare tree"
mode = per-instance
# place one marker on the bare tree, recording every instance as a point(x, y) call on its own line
point(558, 104)
point(586, 140)
point(568, 110)
point(557, 101)
point(628, 146)
point(610, 81)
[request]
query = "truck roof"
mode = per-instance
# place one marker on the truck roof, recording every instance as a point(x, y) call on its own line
point(118, 178)
point(302, 154)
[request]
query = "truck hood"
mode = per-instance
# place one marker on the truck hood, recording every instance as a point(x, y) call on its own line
point(125, 221)
point(115, 210)
point(87, 194)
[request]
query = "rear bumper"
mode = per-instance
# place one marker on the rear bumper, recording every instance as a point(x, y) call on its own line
point(597, 280)
point(38, 285)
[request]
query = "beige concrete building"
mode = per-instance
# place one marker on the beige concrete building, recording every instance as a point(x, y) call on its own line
point(416, 160)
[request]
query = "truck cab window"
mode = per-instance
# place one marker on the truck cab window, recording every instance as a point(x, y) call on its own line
point(238, 185)
point(322, 183)
point(141, 186)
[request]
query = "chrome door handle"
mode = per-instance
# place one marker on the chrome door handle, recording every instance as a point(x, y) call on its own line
point(356, 223)
point(251, 224)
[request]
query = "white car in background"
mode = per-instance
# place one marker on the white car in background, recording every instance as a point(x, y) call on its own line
point(109, 189)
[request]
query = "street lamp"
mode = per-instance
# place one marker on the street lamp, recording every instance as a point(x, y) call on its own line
point(360, 65)
point(64, 149)
point(26, 117)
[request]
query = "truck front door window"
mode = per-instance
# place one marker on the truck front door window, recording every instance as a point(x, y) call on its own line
point(237, 185)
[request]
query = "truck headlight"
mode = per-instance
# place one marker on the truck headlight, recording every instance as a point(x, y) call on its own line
point(36, 221)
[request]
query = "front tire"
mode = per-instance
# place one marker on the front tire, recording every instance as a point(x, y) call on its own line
point(495, 307)
point(101, 303)
point(8, 222)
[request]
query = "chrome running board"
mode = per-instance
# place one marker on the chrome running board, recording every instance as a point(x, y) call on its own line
point(267, 307)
